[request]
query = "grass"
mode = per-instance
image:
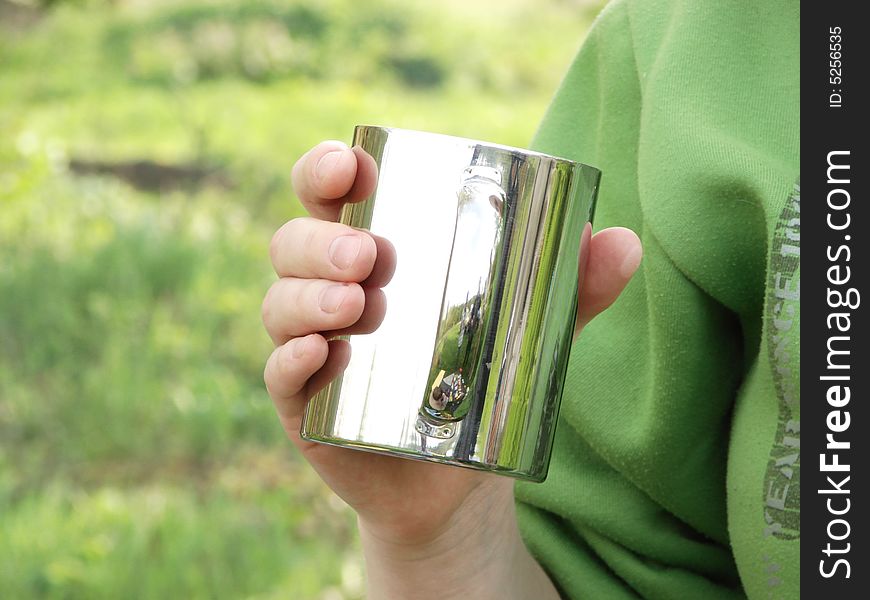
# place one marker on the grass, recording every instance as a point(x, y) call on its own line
point(139, 453)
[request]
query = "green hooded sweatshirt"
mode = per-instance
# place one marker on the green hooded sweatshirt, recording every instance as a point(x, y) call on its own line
point(675, 470)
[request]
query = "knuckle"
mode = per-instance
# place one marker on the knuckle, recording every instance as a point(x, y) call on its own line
point(266, 307)
point(308, 315)
point(284, 364)
point(283, 373)
point(270, 370)
point(275, 243)
point(310, 239)
point(266, 377)
point(298, 170)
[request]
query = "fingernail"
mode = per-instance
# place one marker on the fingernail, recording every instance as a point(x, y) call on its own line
point(344, 249)
point(631, 262)
point(326, 163)
point(332, 297)
point(299, 345)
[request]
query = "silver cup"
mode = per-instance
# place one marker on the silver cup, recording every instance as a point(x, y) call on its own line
point(469, 363)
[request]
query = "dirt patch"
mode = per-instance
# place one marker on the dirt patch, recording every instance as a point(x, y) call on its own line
point(152, 176)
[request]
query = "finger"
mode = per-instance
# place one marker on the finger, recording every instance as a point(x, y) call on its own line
point(287, 373)
point(323, 175)
point(614, 255)
point(366, 176)
point(331, 174)
point(336, 361)
point(294, 307)
point(385, 264)
point(372, 316)
point(339, 357)
point(310, 248)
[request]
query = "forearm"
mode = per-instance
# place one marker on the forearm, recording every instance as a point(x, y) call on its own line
point(479, 555)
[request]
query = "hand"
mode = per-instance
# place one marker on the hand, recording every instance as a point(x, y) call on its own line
point(330, 277)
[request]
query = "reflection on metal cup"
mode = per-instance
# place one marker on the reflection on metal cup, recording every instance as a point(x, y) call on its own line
point(469, 363)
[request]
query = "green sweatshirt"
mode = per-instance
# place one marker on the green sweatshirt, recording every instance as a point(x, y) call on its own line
point(675, 470)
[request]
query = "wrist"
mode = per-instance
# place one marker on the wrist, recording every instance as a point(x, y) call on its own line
point(476, 553)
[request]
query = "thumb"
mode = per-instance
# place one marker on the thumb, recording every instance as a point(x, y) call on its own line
point(614, 255)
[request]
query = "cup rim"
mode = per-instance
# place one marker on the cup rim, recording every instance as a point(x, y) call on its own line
point(526, 151)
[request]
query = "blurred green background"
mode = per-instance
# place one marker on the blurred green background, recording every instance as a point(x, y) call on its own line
point(145, 150)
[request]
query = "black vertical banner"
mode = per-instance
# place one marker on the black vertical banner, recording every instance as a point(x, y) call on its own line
point(835, 367)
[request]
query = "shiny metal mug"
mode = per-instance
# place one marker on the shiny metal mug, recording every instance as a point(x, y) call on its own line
point(468, 366)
